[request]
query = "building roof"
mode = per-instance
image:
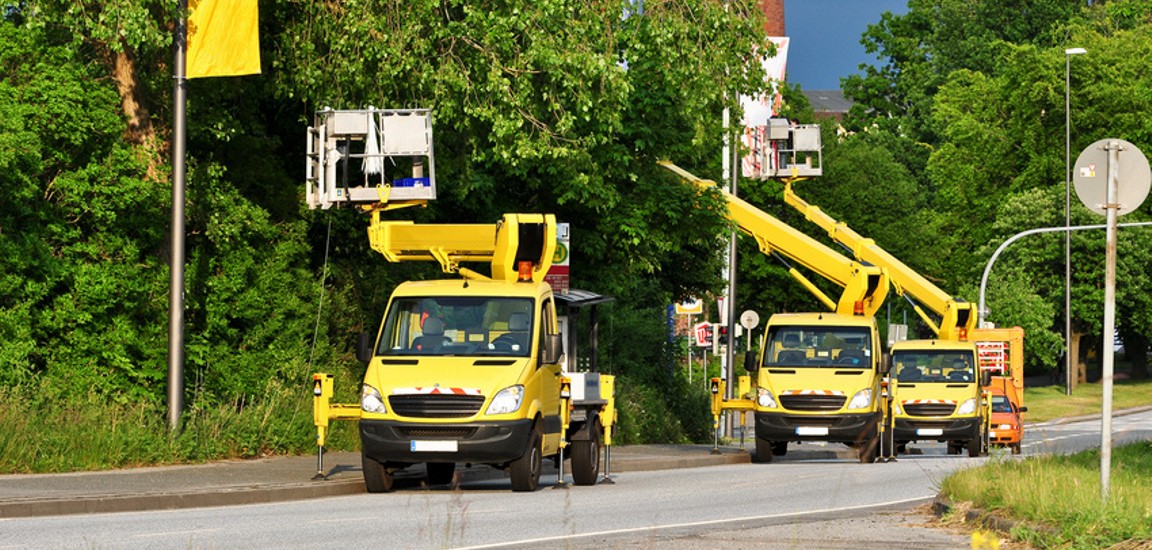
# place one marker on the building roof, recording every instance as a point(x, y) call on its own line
point(828, 101)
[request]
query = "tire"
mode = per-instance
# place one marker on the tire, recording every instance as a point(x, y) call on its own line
point(586, 457)
point(525, 470)
point(779, 448)
point(377, 478)
point(975, 447)
point(764, 451)
point(441, 473)
point(1015, 448)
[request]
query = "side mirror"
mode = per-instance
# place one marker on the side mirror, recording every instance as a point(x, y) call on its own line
point(1023, 409)
point(750, 363)
point(553, 349)
point(364, 348)
point(985, 378)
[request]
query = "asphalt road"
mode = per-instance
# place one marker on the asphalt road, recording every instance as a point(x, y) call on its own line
point(781, 501)
point(815, 496)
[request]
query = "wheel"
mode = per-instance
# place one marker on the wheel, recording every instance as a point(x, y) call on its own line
point(440, 473)
point(779, 448)
point(586, 457)
point(975, 447)
point(377, 478)
point(763, 450)
point(526, 469)
point(1015, 448)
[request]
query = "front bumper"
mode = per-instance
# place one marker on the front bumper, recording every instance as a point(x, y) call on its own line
point(410, 442)
point(958, 429)
point(839, 428)
point(1004, 437)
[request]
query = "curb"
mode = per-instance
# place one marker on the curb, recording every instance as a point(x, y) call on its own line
point(261, 493)
point(173, 501)
point(941, 506)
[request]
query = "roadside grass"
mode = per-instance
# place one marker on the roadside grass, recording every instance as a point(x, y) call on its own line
point(1058, 497)
point(42, 432)
point(1050, 402)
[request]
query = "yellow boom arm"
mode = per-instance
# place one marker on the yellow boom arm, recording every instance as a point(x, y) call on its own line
point(954, 314)
point(865, 286)
point(517, 238)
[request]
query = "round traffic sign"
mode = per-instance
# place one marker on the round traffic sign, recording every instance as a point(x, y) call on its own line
point(1091, 173)
point(749, 319)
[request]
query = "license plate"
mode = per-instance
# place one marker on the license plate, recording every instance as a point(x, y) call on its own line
point(433, 446)
point(808, 430)
point(929, 431)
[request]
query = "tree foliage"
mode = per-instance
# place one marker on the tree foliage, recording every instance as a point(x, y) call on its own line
point(555, 106)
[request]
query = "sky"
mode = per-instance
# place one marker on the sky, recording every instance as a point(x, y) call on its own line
point(825, 38)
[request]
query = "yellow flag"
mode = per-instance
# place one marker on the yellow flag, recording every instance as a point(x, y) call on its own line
point(223, 38)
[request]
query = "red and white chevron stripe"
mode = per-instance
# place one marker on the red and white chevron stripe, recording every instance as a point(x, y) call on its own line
point(435, 390)
point(928, 402)
point(812, 392)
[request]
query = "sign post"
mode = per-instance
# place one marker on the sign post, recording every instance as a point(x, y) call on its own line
point(1098, 173)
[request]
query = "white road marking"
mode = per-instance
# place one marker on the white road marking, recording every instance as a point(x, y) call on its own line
point(650, 528)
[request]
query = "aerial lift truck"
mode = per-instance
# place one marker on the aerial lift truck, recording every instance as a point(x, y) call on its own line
point(463, 370)
point(818, 376)
point(938, 384)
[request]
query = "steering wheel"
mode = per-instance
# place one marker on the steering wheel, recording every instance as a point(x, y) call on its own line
point(505, 342)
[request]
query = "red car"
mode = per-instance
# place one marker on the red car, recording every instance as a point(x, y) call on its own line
point(1007, 428)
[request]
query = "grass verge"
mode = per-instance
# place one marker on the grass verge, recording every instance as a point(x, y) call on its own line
point(1050, 402)
point(1058, 497)
point(42, 432)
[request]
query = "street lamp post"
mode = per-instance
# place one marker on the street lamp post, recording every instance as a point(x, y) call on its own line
point(1068, 53)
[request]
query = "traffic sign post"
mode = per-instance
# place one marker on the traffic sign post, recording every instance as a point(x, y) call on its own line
point(1100, 170)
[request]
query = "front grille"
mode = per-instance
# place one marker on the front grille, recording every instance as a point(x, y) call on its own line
point(810, 421)
point(436, 405)
point(812, 402)
point(929, 409)
point(437, 433)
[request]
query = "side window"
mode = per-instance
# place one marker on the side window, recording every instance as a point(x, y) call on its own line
point(547, 324)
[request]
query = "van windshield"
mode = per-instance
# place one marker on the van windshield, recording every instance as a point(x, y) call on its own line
point(818, 346)
point(455, 325)
point(933, 366)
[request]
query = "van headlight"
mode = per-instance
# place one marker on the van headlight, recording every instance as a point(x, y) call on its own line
point(507, 401)
point(862, 399)
point(370, 400)
point(765, 399)
point(967, 407)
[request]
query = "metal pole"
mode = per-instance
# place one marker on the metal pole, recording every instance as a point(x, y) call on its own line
point(176, 286)
point(730, 320)
point(981, 312)
point(1067, 224)
point(1068, 53)
point(1109, 317)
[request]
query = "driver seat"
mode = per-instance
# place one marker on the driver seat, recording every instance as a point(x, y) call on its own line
point(433, 336)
